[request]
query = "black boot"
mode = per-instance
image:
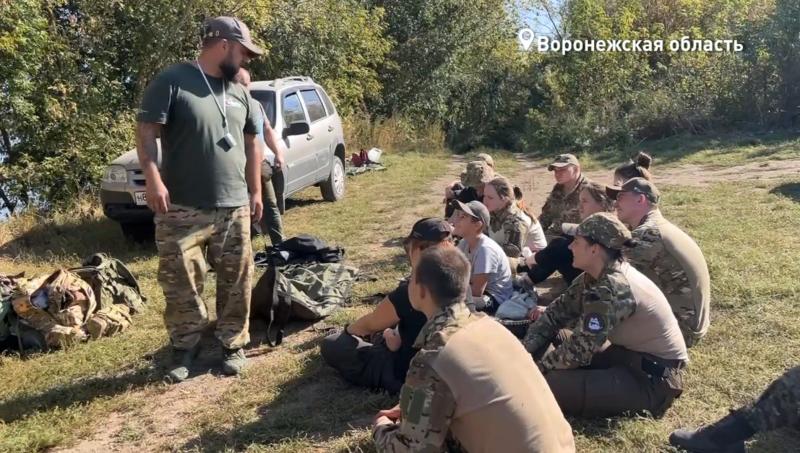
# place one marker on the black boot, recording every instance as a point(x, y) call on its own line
point(725, 436)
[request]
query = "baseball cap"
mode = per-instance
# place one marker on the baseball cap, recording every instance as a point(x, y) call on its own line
point(636, 185)
point(478, 172)
point(562, 160)
point(476, 210)
point(231, 28)
point(430, 229)
point(603, 227)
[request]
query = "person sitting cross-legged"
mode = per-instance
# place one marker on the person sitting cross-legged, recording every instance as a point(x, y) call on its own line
point(384, 363)
point(625, 353)
point(472, 384)
point(666, 255)
point(490, 279)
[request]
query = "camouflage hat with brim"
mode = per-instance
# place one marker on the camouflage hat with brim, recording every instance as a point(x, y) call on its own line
point(477, 173)
point(562, 160)
point(636, 185)
point(486, 158)
point(604, 228)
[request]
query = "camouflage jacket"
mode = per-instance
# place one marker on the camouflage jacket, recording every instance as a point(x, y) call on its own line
point(561, 207)
point(426, 403)
point(674, 262)
point(593, 308)
point(509, 229)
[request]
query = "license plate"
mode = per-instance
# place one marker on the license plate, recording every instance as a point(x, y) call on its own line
point(140, 198)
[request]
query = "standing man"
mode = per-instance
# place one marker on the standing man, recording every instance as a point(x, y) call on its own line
point(561, 205)
point(667, 256)
point(271, 220)
point(210, 161)
point(472, 383)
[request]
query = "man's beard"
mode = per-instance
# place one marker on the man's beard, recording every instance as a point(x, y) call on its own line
point(229, 69)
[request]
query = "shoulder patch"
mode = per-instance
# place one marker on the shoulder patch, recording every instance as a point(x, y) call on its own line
point(594, 323)
point(414, 403)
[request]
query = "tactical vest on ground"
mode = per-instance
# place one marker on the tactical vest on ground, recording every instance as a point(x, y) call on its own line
point(117, 292)
point(58, 306)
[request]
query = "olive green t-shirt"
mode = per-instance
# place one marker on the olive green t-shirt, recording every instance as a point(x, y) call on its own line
point(197, 167)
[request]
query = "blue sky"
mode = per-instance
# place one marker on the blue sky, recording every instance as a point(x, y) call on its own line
point(536, 18)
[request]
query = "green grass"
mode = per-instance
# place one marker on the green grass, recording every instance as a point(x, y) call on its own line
point(292, 402)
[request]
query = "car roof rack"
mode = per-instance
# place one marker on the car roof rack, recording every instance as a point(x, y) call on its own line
point(291, 80)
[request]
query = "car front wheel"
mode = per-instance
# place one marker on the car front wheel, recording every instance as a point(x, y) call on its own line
point(333, 188)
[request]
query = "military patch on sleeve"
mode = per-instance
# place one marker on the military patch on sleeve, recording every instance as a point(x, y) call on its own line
point(594, 323)
point(413, 403)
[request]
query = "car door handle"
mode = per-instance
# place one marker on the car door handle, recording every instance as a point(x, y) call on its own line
point(309, 137)
point(330, 128)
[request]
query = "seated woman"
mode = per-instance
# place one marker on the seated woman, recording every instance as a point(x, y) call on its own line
point(384, 363)
point(625, 352)
point(638, 167)
point(508, 225)
point(536, 240)
point(557, 255)
point(490, 273)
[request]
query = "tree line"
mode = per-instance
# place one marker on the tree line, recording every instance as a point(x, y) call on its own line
point(72, 72)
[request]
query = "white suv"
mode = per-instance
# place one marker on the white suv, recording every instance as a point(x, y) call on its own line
point(312, 139)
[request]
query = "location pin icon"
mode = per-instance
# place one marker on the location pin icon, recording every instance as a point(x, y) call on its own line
point(525, 38)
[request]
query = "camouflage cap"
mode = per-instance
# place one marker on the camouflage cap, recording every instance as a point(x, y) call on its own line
point(486, 158)
point(478, 172)
point(636, 185)
point(562, 160)
point(603, 227)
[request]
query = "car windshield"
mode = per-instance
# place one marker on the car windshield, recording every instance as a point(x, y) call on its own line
point(267, 100)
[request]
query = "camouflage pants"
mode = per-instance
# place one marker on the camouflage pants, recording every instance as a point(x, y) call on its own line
point(778, 406)
point(184, 237)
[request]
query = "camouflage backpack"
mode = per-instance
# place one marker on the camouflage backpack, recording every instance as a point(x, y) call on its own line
point(112, 282)
point(117, 293)
point(305, 292)
point(57, 306)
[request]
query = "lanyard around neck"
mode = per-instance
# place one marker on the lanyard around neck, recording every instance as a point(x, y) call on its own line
point(222, 108)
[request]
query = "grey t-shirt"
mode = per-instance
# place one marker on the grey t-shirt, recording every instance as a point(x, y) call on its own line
point(198, 168)
point(489, 258)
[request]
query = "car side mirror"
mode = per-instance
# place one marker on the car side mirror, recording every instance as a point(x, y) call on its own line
point(298, 128)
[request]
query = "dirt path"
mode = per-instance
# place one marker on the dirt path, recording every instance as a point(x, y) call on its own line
point(159, 424)
point(536, 181)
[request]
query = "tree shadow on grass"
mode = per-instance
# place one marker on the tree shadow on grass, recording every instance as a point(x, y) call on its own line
point(84, 390)
point(79, 238)
point(789, 190)
point(316, 406)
